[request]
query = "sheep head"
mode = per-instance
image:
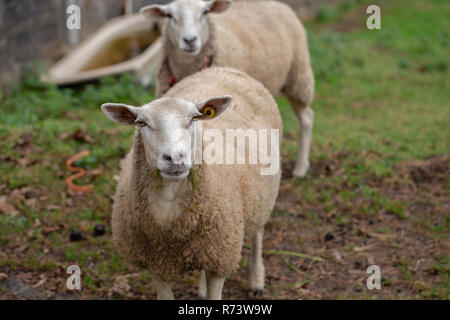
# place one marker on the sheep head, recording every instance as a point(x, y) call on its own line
point(168, 128)
point(188, 27)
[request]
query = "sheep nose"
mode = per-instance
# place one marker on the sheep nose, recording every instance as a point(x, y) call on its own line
point(177, 159)
point(190, 40)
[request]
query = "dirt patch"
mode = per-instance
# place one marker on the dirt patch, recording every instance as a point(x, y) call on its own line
point(434, 170)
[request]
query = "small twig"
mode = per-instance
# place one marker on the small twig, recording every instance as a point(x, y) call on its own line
point(287, 253)
point(302, 283)
point(360, 249)
point(290, 264)
point(294, 254)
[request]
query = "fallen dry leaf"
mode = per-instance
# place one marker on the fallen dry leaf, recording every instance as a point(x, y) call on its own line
point(16, 195)
point(337, 255)
point(121, 286)
point(32, 203)
point(53, 207)
point(21, 249)
point(48, 230)
point(7, 208)
point(82, 136)
point(40, 283)
point(79, 135)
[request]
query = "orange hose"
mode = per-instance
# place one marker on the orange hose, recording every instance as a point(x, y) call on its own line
point(80, 172)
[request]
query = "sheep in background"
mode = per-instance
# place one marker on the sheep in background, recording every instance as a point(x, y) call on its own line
point(265, 39)
point(170, 216)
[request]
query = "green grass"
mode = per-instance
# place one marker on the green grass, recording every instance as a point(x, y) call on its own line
point(382, 90)
point(382, 97)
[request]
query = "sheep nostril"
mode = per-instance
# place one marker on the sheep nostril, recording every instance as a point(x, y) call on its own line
point(167, 157)
point(190, 40)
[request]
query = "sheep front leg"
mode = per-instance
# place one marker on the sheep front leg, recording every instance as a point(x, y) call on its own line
point(256, 265)
point(163, 290)
point(306, 118)
point(215, 286)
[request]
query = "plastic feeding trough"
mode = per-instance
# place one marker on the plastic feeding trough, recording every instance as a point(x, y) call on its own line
point(128, 44)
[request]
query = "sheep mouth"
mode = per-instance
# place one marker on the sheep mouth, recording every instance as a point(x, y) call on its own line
point(175, 175)
point(190, 51)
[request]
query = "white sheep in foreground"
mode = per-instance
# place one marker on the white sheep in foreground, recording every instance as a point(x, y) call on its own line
point(171, 216)
point(265, 39)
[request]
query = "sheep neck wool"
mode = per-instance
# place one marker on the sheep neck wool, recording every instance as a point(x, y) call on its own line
point(208, 63)
point(151, 181)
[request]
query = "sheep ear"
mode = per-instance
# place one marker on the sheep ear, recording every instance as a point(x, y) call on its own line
point(213, 107)
point(219, 6)
point(120, 113)
point(155, 11)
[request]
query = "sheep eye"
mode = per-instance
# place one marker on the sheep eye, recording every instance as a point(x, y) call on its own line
point(170, 16)
point(141, 123)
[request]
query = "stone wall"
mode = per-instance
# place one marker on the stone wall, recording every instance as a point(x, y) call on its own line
point(36, 30)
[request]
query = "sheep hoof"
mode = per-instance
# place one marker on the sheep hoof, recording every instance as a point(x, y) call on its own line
point(257, 293)
point(202, 297)
point(299, 176)
point(300, 172)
